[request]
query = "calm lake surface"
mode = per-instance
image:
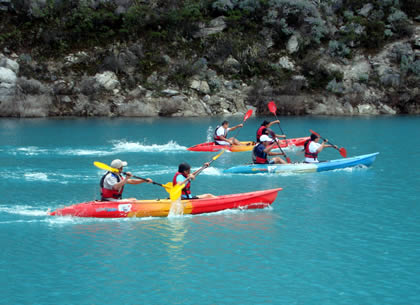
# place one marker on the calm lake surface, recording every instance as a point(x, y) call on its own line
point(348, 236)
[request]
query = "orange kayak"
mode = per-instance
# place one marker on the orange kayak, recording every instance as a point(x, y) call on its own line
point(156, 208)
point(245, 146)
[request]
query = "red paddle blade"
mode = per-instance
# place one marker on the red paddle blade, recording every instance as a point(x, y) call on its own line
point(247, 114)
point(343, 152)
point(272, 107)
point(315, 133)
point(288, 160)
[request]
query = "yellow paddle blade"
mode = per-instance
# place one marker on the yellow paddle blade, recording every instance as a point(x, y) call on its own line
point(176, 192)
point(219, 154)
point(105, 167)
point(168, 187)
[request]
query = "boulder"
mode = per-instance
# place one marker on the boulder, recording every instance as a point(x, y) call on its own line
point(7, 76)
point(293, 44)
point(367, 109)
point(108, 80)
point(216, 25)
point(286, 63)
point(200, 86)
point(9, 64)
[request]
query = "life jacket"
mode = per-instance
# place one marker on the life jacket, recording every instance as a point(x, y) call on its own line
point(186, 190)
point(309, 154)
point(259, 157)
point(106, 193)
point(216, 137)
point(260, 132)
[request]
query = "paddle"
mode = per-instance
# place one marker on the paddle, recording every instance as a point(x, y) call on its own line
point(246, 117)
point(273, 135)
point(342, 150)
point(176, 191)
point(168, 186)
point(273, 109)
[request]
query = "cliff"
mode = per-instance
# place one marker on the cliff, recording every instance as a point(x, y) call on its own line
point(201, 58)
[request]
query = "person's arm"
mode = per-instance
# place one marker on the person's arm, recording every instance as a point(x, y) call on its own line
point(225, 139)
point(323, 145)
point(268, 149)
point(235, 127)
point(139, 181)
point(117, 186)
point(272, 123)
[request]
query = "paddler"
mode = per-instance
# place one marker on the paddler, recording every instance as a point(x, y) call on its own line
point(265, 129)
point(263, 149)
point(184, 172)
point(312, 148)
point(220, 134)
point(112, 184)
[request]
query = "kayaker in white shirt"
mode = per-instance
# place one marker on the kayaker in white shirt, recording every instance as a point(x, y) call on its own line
point(312, 148)
point(220, 134)
point(112, 184)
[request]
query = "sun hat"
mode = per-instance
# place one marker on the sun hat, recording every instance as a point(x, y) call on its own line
point(117, 163)
point(265, 138)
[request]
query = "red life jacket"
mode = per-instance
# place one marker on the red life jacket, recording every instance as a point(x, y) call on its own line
point(309, 154)
point(258, 156)
point(106, 193)
point(216, 137)
point(186, 190)
point(260, 132)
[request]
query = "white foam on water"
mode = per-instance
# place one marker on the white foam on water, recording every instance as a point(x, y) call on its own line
point(29, 151)
point(124, 146)
point(23, 210)
point(210, 133)
point(212, 171)
point(114, 148)
point(36, 177)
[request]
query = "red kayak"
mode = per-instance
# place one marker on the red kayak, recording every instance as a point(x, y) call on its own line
point(245, 146)
point(147, 208)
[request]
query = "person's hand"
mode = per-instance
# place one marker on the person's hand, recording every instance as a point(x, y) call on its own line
point(241, 125)
point(191, 176)
point(128, 175)
point(335, 146)
point(276, 122)
point(148, 180)
point(325, 141)
point(207, 164)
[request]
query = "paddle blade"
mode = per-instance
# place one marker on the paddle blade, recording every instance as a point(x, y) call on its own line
point(288, 160)
point(343, 152)
point(168, 187)
point(105, 167)
point(218, 155)
point(247, 114)
point(176, 192)
point(272, 107)
point(315, 133)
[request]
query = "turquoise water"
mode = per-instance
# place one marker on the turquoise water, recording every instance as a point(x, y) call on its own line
point(348, 236)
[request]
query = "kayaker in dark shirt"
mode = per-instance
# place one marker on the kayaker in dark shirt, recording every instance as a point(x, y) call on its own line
point(263, 149)
point(184, 172)
point(265, 129)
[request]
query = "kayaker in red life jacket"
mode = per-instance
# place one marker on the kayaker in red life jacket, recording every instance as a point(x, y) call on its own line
point(112, 184)
point(312, 148)
point(184, 172)
point(220, 134)
point(262, 149)
point(265, 129)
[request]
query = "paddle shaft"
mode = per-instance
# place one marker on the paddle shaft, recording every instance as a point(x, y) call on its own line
point(273, 110)
point(247, 115)
point(145, 179)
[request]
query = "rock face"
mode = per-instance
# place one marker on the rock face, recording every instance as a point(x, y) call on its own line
point(373, 84)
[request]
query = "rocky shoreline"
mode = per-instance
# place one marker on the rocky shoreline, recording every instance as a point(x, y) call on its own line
point(106, 82)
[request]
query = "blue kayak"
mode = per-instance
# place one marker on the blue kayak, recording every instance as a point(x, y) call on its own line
point(364, 160)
